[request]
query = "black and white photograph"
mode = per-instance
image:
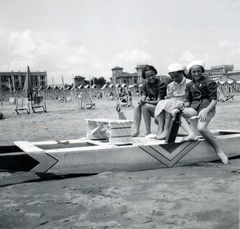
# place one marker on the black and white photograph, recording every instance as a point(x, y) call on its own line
point(120, 114)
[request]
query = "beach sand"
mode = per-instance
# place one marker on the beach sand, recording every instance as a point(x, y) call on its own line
point(200, 196)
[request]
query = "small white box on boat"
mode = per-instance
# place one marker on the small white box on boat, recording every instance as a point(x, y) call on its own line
point(113, 130)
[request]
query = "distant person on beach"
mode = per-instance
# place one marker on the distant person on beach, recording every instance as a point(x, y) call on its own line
point(152, 92)
point(175, 100)
point(111, 96)
point(202, 96)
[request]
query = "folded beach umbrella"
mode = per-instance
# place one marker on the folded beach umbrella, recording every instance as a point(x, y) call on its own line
point(27, 88)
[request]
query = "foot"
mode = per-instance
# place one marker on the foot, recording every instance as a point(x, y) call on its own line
point(223, 157)
point(161, 136)
point(150, 136)
point(146, 133)
point(135, 134)
point(190, 138)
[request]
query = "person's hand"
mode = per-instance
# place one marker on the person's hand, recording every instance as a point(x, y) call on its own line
point(181, 106)
point(203, 115)
point(174, 113)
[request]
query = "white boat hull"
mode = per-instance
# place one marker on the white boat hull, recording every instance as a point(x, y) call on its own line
point(84, 156)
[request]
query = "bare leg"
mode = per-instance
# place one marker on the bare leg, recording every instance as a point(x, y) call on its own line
point(148, 113)
point(137, 119)
point(160, 120)
point(164, 133)
point(191, 135)
point(191, 130)
point(193, 123)
point(209, 138)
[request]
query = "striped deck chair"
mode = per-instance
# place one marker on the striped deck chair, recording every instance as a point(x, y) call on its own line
point(86, 101)
point(124, 97)
point(11, 100)
point(22, 104)
point(38, 103)
point(224, 94)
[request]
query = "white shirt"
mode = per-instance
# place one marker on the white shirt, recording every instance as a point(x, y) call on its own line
point(176, 90)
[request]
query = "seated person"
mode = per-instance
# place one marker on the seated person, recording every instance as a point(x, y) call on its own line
point(123, 95)
point(173, 102)
point(152, 92)
point(202, 96)
point(110, 95)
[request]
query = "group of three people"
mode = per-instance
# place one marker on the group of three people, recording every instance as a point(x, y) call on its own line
point(196, 98)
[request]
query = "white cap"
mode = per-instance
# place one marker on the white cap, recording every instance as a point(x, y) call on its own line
point(195, 62)
point(175, 67)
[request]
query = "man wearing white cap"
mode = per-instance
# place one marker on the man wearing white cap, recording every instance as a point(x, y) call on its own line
point(175, 100)
point(202, 96)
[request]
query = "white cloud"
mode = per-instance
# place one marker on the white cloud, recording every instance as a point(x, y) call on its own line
point(24, 44)
point(224, 44)
point(170, 60)
point(144, 42)
point(187, 56)
point(56, 57)
point(132, 58)
point(98, 64)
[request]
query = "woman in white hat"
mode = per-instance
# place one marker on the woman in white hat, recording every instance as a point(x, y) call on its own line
point(174, 101)
point(202, 96)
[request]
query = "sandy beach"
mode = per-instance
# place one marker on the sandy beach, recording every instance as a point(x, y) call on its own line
point(205, 195)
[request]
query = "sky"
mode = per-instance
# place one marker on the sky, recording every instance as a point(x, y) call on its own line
point(90, 37)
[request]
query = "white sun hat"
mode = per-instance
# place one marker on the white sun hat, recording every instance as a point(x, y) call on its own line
point(195, 62)
point(175, 67)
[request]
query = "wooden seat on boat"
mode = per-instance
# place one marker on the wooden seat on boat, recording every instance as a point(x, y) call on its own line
point(114, 131)
point(38, 103)
point(86, 101)
point(22, 104)
point(173, 129)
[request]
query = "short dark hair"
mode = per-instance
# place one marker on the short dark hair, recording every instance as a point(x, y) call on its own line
point(148, 68)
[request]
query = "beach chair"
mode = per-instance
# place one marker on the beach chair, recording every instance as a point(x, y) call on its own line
point(68, 99)
point(22, 104)
point(86, 101)
point(38, 103)
point(224, 94)
point(11, 100)
point(124, 98)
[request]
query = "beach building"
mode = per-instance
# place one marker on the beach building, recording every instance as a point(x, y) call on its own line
point(133, 81)
point(225, 75)
point(79, 80)
point(15, 80)
point(120, 77)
